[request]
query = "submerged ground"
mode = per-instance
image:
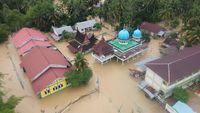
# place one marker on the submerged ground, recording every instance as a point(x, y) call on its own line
point(118, 91)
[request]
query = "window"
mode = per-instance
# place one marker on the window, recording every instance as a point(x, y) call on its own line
point(58, 86)
point(55, 88)
point(61, 85)
point(45, 92)
point(48, 91)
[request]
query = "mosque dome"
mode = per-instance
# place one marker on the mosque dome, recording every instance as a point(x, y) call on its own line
point(137, 34)
point(123, 34)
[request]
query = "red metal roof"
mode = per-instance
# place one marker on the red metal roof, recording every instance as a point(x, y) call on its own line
point(43, 66)
point(177, 66)
point(151, 27)
point(31, 44)
point(48, 78)
point(24, 35)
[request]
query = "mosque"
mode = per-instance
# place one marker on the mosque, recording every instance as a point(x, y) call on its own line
point(124, 47)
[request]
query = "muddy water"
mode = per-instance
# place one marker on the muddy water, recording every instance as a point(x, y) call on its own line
point(118, 91)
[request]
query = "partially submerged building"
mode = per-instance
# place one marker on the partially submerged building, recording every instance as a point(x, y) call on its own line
point(58, 31)
point(153, 29)
point(80, 26)
point(181, 69)
point(45, 68)
point(44, 64)
point(82, 43)
point(102, 51)
point(27, 38)
point(179, 107)
point(85, 25)
point(124, 47)
point(169, 46)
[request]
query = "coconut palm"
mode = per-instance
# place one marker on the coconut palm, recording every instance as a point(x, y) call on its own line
point(80, 62)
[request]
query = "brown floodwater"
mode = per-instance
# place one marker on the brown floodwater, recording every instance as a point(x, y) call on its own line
point(118, 91)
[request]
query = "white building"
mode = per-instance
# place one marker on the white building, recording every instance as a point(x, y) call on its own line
point(178, 70)
point(85, 26)
point(57, 32)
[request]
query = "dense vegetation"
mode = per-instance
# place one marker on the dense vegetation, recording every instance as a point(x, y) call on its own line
point(81, 74)
point(9, 105)
point(180, 94)
point(42, 14)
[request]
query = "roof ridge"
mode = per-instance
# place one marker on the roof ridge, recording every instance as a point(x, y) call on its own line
point(158, 63)
point(169, 73)
point(28, 32)
point(185, 57)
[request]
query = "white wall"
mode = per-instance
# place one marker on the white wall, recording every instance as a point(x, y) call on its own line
point(154, 80)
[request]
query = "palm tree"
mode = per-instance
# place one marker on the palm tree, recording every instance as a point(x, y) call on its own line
point(80, 62)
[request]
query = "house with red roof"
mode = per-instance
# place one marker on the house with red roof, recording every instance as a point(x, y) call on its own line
point(27, 38)
point(153, 29)
point(181, 69)
point(45, 68)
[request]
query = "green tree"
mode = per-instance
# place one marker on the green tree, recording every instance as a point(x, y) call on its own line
point(42, 16)
point(67, 35)
point(4, 32)
point(13, 18)
point(146, 37)
point(79, 10)
point(98, 26)
point(80, 62)
point(174, 23)
point(77, 78)
point(180, 95)
point(82, 73)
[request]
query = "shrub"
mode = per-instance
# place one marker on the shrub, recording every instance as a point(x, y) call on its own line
point(180, 94)
point(174, 35)
point(77, 78)
point(146, 37)
point(98, 26)
point(174, 23)
point(67, 35)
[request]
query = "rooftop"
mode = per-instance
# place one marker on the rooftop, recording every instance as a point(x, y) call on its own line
point(116, 44)
point(151, 27)
point(44, 62)
point(25, 35)
point(102, 48)
point(177, 66)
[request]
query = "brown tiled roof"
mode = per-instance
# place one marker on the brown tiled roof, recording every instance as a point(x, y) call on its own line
point(151, 27)
point(82, 38)
point(102, 48)
point(177, 66)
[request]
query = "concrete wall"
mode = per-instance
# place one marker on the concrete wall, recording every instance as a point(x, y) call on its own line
point(158, 84)
point(54, 87)
point(154, 80)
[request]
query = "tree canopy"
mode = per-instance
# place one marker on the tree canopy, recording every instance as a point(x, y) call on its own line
point(180, 95)
point(81, 74)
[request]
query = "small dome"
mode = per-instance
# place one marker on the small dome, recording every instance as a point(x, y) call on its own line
point(123, 34)
point(137, 34)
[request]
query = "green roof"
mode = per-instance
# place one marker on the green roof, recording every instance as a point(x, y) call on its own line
point(123, 47)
